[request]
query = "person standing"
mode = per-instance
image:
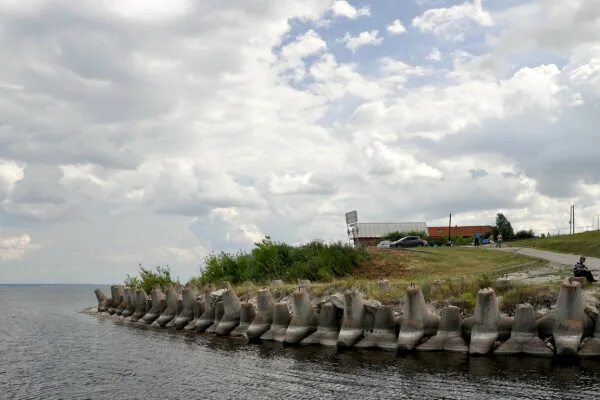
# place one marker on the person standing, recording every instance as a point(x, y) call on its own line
point(491, 239)
point(477, 239)
point(499, 240)
point(581, 270)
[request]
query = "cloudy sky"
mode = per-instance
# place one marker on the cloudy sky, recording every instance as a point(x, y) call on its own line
point(156, 132)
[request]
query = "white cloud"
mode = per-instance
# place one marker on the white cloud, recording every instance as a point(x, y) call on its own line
point(396, 27)
point(14, 248)
point(451, 23)
point(434, 55)
point(367, 38)
point(345, 9)
point(305, 45)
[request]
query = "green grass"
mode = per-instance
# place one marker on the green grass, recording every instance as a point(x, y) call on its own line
point(587, 243)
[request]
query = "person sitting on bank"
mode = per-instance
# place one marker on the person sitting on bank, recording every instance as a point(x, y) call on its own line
point(581, 270)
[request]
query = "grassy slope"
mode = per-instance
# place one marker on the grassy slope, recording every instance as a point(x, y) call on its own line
point(587, 243)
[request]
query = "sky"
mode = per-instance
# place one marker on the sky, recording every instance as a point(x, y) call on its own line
point(155, 133)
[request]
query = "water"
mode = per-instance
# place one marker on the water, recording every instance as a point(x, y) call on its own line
point(50, 351)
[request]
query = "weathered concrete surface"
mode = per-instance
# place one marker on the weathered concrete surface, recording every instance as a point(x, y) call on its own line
point(141, 305)
point(208, 316)
point(188, 297)
point(103, 301)
point(328, 327)
point(281, 320)
point(159, 304)
point(130, 296)
point(524, 337)
point(264, 314)
point(124, 301)
point(304, 321)
point(591, 348)
point(247, 314)
point(570, 321)
point(115, 298)
point(170, 311)
point(487, 324)
point(231, 317)
point(353, 320)
point(219, 311)
point(198, 311)
point(276, 283)
point(417, 321)
point(385, 331)
point(448, 336)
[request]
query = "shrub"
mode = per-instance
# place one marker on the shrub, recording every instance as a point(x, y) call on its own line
point(149, 278)
point(525, 234)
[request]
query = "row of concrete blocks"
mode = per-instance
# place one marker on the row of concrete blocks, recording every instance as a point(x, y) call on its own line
point(349, 322)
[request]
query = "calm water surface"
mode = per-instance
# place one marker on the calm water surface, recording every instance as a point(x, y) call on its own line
point(50, 351)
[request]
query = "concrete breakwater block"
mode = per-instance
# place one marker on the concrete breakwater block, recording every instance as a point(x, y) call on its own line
point(158, 306)
point(117, 293)
point(141, 305)
point(385, 331)
point(524, 337)
point(281, 320)
point(198, 311)
point(353, 320)
point(208, 316)
point(219, 312)
point(328, 327)
point(417, 321)
point(449, 335)
point(591, 348)
point(124, 301)
point(487, 325)
point(188, 297)
point(247, 314)
point(231, 316)
point(130, 296)
point(170, 311)
point(570, 323)
point(103, 301)
point(264, 314)
point(304, 321)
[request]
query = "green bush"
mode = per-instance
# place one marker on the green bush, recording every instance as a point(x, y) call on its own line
point(269, 260)
point(149, 278)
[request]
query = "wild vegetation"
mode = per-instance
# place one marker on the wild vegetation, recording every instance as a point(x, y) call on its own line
point(148, 279)
point(270, 260)
point(586, 243)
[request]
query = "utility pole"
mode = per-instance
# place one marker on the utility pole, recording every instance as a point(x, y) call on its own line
point(449, 227)
point(573, 218)
point(570, 222)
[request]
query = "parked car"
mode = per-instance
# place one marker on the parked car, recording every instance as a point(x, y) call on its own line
point(409, 241)
point(384, 244)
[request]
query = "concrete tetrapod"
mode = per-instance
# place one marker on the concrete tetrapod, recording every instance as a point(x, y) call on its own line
point(141, 305)
point(131, 298)
point(264, 314)
point(417, 321)
point(188, 296)
point(117, 293)
point(281, 320)
point(328, 327)
point(353, 320)
point(487, 325)
point(448, 336)
point(208, 316)
point(570, 321)
point(103, 301)
point(198, 311)
point(247, 314)
point(124, 301)
point(158, 306)
point(219, 311)
point(385, 331)
point(171, 323)
point(170, 311)
point(231, 317)
point(524, 337)
point(305, 320)
point(591, 348)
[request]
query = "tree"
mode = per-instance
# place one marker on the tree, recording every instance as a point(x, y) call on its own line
point(504, 227)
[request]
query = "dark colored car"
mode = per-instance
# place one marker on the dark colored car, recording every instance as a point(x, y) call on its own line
point(409, 241)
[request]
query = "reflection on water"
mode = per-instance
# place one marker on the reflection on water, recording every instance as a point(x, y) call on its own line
point(47, 350)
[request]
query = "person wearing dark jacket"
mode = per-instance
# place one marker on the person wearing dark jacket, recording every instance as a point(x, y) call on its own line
point(581, 270)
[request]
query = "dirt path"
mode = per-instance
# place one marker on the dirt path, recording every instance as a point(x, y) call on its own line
point(592, 263)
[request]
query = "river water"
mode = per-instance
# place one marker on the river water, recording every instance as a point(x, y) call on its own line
point(48, 350)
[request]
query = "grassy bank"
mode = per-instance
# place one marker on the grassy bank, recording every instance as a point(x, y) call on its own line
point(587, 243)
